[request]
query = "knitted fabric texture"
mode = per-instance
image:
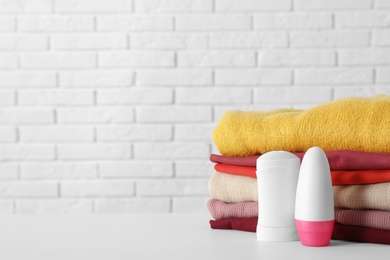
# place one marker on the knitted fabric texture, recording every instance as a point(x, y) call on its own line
point(370, 196)
point(359, 124)
point(365, 218)
point(219, 209)
point(232, 188)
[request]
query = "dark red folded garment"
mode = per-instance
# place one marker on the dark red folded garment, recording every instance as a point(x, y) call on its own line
point(241, 161)
point(360, 234)
point(340, 232)
point(242, 224)
point(341, 160)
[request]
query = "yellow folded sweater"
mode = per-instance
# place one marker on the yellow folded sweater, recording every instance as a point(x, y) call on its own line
point(360, 124)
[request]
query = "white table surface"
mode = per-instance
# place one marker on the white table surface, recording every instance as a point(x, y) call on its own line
point(154, 236)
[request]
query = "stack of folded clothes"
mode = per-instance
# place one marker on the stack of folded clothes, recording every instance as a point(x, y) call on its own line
point(353, 132)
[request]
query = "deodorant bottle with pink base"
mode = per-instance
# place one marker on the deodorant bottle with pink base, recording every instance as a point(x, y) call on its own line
point(314, 204)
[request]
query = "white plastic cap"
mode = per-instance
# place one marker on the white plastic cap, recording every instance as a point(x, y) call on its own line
point(277, 159)
point(314, 198)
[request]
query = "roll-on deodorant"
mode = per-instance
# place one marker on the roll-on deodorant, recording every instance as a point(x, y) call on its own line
point(277, 176)
point(314, 204)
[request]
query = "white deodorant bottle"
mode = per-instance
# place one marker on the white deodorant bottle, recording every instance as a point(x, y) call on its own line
point(314, 205)
point(277, 177)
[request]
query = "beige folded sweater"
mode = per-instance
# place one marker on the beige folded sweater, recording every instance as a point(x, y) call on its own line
point(370, 196)
point(234, 188)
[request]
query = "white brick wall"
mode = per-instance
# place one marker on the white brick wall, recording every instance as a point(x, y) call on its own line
point(109, 106)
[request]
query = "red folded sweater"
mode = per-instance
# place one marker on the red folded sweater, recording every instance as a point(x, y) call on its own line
point(340, 232)
point(338, 177)
point(340, 160)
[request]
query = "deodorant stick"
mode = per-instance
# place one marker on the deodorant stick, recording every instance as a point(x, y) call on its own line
point(314, 205)
point(277, 176)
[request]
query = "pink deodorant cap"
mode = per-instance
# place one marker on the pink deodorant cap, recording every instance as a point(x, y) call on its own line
point(314, 204)
point(315, 233)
